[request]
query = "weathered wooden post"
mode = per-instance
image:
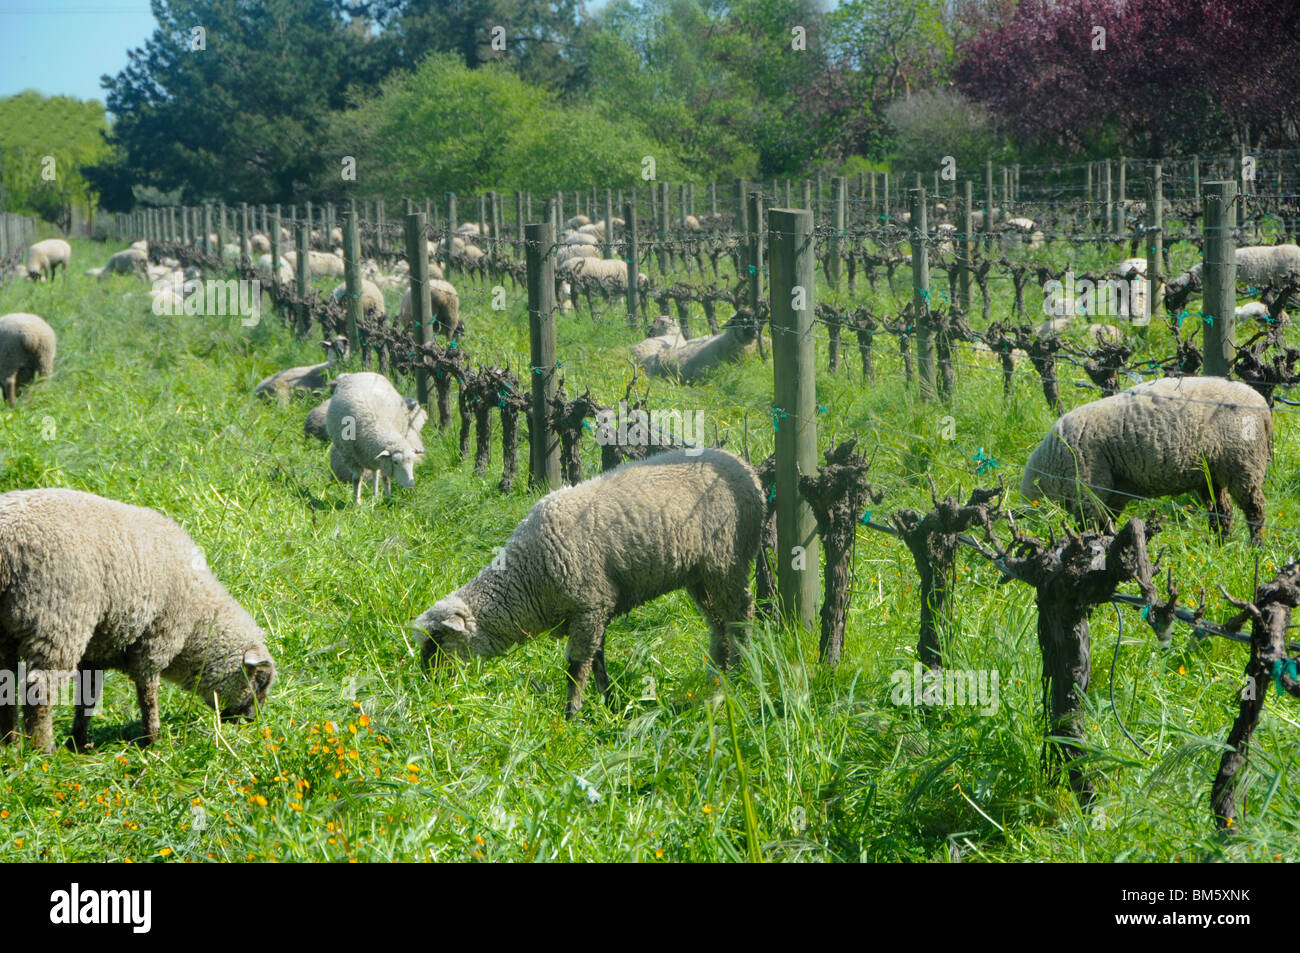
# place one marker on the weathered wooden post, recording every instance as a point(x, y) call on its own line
point(1121, 220)
point(303, 275)
point(245, 237)
point(755, 256)
point(1196, 177)
point(840, 188)
point(352, 278)
point(1220, 276)
point(663, 228)
point(1108, 221)
point(451, 235)
point(277, 247)
point(544, 451)
point(417, 254)
point(965, 247)
point(884, 213)
point(988, 205)
point(607, 244)
point(794, 415)
point(207, 229)
point(1155, 239)
point(921, 296)
point(630, 251)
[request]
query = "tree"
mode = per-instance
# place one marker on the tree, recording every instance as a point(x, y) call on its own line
point(44, 143)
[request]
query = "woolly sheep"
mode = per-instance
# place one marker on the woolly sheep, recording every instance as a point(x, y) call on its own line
point(364, 425)
point(665, 334)
point(691, 359)
point(610, 272)
point(565, 252)
point(45, 257)
point(411, 422)
point(1202, 435)
point(263, 267)
point(446, 307)
point(307, 377)
point(260, 243)
point(577, 222)
point(1097, 333)
point(325, 264)
point(371, 296)
point(27, 346)
point(88, 584)
point(586, 554)
point(1257, 266)
point(129, 261)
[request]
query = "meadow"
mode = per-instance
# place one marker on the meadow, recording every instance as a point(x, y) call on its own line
point(360, 755)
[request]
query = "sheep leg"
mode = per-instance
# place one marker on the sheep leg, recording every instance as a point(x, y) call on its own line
point(356, 489)
point(38, 714)
point(586, 633)
point(9, 711)
point(85, 709)
point(11, 388)
point(1221, 512)
point(599, 673)
point(146, 692)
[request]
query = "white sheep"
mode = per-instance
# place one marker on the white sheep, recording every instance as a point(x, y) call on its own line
point(1202, 435)
point(129, 261)
point(1257, 267)
point(27, 348)
point(44, 258)
point(326, 264)
point(446, 307)
point(691, 359)
point(371, 296)
point(365, 421)
point(585, 554)
point(308, 377)
point(88, 584)
point(263, 267)
point(665, 334)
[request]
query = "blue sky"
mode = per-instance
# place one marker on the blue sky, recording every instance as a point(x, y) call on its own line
point(62, 47)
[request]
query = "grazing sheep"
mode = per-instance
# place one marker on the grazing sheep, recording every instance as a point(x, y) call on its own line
point(665, 334)
point(371, 296)
point(1020, 231)
point(411, 423)
point(45, 257)
point(691, 359)
point(577, 222)
point(1203, 435)
point(586, 554)
point(366, 422)
point(90, 584)
point(259, 243)
point(564, 252)
point(1097, 333)
point(307, 377)
point(1257, 266)
point(327, 264)
point(446, 307)
point(609, 273)
point(128, 261)
point(27, 346)
point(263, 267)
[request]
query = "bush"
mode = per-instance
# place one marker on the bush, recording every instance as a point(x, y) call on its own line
point(930, 125)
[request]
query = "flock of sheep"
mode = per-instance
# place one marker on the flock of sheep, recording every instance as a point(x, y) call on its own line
point(91, 583)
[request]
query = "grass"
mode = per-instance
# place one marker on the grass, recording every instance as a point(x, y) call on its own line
point(361, 756)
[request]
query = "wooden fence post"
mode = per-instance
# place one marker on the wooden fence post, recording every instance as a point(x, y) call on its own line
point(988, 205)
point(840, 187)
point(794, 415)
point(545, 446)
point(966, 246)
point(207, 228)
point(629, 217)
point(664, 226)
point(245, 237)
point(417, 255)
point(451, 234)
point(352, 277)
point(921, 296)
point(607, 246)
point(1155, 240)
point(755, 256)
point(276, 245)
point(1220, 276)
point(303, 273)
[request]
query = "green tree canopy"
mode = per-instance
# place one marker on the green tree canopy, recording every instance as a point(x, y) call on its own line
point(44, 136)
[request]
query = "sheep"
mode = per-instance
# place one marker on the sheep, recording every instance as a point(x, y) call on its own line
point(1203, 435)
point(88, 583)
point(610, 273)
point(1257, 266)
point(128, 261)
point(586, 554)
point(1015, 231)
point(577, 222)
point(411, 422)
point(1097, 333)
point(665, 334)
point(564, 252)
point(371, 296)
point(691, 359)
point(263, 267)
point(364, 423)
point(143, 245)
point(45, 257)
point(325, 264)
point(27, 347)
point(336, 235)
point(259, 243)
point(308, 377)
point(446, 307)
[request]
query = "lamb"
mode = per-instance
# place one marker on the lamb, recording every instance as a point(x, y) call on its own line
point(307, 377)
point(665, 334)
point(363, 422)
point(128, 261)
point(1203, 435)
point(1257, 266)
point(88, 584)
point(371, 296)
point(446, 307)
point(586, 554)
point(410, 422)
point(693, 358)
point(45, 257)
point(27, 346)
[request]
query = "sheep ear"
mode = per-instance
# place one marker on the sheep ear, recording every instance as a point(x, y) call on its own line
point(384, 453)
point(255, 659)
point(455, 623)
point(327, 344)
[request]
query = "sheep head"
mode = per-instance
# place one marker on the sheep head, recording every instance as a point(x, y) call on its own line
point(226, 663)
point(449, 630)
point(398, 464)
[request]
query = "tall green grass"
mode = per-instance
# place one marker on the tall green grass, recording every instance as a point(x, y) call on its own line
point(360, 755)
